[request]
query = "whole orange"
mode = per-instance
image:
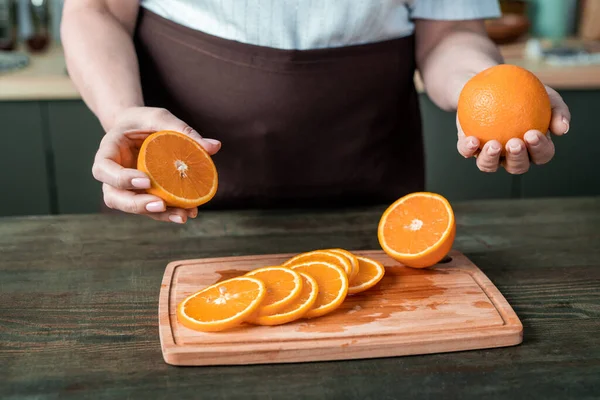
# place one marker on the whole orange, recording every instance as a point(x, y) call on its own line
point(503, 102)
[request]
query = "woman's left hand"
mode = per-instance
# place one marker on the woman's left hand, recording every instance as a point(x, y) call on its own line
point(537, 148)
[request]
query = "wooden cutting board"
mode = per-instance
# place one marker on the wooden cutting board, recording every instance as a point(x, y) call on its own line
point(449, 307)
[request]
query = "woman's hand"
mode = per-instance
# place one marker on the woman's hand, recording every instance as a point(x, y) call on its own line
point(115, 163)
point(537, 147)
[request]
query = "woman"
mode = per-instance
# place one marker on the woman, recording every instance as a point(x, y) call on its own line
point(313, 101)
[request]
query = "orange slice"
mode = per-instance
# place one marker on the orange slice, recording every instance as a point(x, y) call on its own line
point(181, 172)
point(283, 286)
point(296, 309)
point(332, 282)
point(418, 229)
point(223, 305)
point(350, 257)
point(369, 274)
point(321, 255)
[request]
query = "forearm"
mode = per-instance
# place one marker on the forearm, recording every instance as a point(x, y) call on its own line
point(101, 59)
point(461, 51)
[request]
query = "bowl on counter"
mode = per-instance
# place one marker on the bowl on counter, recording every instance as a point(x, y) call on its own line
point(508, 28)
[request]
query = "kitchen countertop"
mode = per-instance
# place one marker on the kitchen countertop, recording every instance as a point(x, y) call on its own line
point(79, 299)
point(46, 77)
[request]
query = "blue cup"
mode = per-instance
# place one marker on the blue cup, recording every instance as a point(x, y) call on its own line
point(552, 19)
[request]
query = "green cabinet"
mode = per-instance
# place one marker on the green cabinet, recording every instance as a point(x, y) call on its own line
point(449, 173)
point(75, 134)
point(574, 170)
point(25, 166)
point(50, 147)
point(46, 167)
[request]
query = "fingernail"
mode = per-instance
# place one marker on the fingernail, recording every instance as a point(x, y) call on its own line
point(175, 218)
point(515, 148)
point(472, 145)
point(140, 183)
point(493, 150)
point(532, 138)
point(155, 206)
point(213, 141)
point(566, 122)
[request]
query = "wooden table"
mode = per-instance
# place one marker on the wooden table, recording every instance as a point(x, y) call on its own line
point(78, 306)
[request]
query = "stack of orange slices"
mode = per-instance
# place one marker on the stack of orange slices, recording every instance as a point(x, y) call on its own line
point(417, 230)
point(308, 285)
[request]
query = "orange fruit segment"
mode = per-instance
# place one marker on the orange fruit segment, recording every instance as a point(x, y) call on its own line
point(351, 258)
point(332, 282)
point(503, 102)
point(181, 172)
point(321, 255)
point(418, 229)
point(369, 274)
point(297, 308)
point(283, 286)
point(223, 305)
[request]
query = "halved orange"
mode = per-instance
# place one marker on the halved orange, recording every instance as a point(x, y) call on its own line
point(296, 309)
point(418, 229)
point(332, 282)
point(283, 284)
point(369, 274)
point(321, 255)
point(181, 172)
point(350, 257)
point(223, 305)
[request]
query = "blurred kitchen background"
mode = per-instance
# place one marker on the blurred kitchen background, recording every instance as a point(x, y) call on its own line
point(49, 137)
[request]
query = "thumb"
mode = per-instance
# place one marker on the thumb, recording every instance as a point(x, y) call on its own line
point(561, 116)
point(159, 119)
point(467, 146)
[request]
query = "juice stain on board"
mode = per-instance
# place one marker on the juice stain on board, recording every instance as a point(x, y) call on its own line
point(380, 302)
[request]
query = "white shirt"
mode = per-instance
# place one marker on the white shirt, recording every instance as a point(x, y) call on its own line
point(313, 24)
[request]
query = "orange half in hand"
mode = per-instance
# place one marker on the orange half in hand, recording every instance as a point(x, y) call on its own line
point(181, 172)
point(418, 229)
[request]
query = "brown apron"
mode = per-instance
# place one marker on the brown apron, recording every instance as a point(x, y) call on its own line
point(327, 127)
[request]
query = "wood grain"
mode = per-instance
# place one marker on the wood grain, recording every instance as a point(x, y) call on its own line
point(450, 307)
point(79, 297)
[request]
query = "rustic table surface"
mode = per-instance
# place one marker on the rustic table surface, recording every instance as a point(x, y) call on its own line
point(78, 305)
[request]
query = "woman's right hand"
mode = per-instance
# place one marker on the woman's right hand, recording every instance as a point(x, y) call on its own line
point(115, 163)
